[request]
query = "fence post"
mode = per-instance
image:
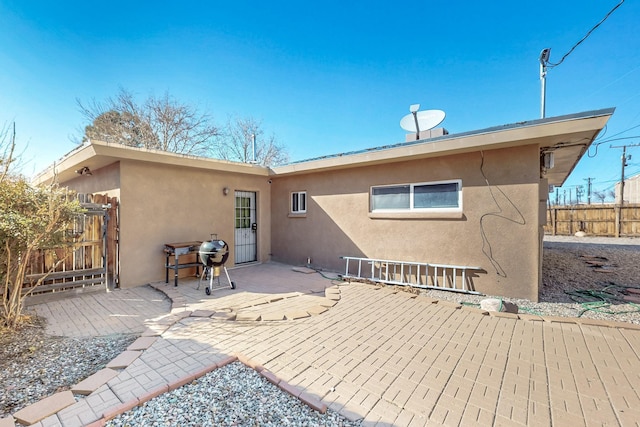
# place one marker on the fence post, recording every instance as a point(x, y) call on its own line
point(618, 224)
point(571, 221)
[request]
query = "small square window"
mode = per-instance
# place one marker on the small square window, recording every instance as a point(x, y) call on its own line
point(299, 202)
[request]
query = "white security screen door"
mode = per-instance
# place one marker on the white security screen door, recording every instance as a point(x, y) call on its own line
point(246, 227)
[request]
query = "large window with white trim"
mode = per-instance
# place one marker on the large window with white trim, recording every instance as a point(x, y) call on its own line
point(298, 202)
point(441, 196)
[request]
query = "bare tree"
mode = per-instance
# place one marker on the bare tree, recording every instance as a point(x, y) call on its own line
point(7, 149)
point(163, 123)
point(160, 123)
point(238, 138)
point(600, 195)
point(120, 128)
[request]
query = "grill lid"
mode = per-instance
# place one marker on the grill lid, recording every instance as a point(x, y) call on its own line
point(213, 253)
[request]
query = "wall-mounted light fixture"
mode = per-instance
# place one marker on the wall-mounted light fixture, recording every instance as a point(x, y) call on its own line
point(84, 171)
point(225, 190)
point(548, 160)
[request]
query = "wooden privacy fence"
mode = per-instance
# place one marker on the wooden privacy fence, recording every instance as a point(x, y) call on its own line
point(89, 265)
point(594, 220)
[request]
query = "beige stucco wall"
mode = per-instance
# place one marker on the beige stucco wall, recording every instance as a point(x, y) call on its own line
point(105, 180)
point(338, 223)
point(165, 204)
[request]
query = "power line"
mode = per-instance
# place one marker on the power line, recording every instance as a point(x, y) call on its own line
point(601, 137)
point(552, 65)
point(610, 139)
point(612, 82)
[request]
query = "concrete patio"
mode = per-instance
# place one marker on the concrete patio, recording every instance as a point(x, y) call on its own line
point(384, 356)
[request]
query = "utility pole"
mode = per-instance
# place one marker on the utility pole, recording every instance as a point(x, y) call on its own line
point(578, 193)
point(589, 181)
point(623, 161)
point(557, 196)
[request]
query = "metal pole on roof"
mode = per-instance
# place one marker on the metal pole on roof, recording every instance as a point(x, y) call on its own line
point(415, 117)
point(413, 109)
point(544, 59)
point(253, 147)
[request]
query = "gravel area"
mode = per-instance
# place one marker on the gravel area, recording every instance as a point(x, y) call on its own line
point(581, 277)
point(34, 365)
point(233, 395)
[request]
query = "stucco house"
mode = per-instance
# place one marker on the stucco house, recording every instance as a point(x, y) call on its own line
point(473, 199)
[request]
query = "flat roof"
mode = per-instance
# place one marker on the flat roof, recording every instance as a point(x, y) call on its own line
point(98, 154)
point(568, 136)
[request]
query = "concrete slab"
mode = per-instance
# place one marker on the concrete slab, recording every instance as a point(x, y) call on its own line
point(328, 303)
point(223, 315)
point(142, 343)
point(271, 317)
point(203, 313)
point(247, 316)
point(297, 314)
point(124, 359)
point(318, 309)
point(94, 382)
point(44, 408)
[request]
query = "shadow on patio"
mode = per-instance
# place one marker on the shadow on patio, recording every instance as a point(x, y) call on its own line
point(270, 291)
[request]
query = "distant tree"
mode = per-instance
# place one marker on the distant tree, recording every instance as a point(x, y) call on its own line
point(163, 123)
point(612, 194)
point(120, 128)
point(236, 143)
point(600, 195)
point(31, 218)
point(160, 123)
point(7, 149)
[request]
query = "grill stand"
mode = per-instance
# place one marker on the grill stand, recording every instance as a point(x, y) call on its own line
point(177, 250)
point(207, 272)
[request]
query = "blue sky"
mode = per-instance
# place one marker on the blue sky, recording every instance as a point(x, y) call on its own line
point(324, 77)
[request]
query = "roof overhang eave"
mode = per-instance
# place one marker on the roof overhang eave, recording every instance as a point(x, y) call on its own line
point(558, 133)
point(98, 154)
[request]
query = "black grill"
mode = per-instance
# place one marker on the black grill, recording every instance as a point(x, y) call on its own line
point(214, 253)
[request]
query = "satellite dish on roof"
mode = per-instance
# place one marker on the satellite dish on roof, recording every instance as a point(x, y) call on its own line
point(421, 120)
